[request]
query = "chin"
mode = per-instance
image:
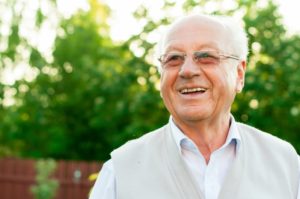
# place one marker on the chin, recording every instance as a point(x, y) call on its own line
point(194, 115)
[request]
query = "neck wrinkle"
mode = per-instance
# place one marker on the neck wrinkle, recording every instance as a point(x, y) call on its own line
point(208, 138)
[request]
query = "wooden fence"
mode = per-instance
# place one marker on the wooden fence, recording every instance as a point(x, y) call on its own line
point(18, 175)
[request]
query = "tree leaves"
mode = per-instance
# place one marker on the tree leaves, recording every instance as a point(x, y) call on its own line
point(94, 94)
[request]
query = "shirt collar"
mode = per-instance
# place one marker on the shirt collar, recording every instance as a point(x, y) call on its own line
point(183, 141)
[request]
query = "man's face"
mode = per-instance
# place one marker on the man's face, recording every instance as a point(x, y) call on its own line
point(193, 93)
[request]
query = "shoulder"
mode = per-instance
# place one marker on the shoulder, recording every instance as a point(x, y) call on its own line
point(139, 145)
point(104, 186)
point(273, 156)
point(252, 135)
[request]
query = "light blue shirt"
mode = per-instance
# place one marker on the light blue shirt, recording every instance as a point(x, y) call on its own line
point(209, 177)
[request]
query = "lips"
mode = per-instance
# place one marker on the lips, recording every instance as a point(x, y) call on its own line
point(192, 90)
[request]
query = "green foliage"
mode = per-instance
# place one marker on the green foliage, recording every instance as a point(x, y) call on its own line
point(93, 94)
point(88, 100)
point(45, 187)
point(271, 97)
point(5, 151)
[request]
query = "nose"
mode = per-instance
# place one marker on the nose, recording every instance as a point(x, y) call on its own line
point(189, 68)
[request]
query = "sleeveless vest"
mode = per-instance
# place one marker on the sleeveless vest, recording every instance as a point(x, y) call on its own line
point(151, 167)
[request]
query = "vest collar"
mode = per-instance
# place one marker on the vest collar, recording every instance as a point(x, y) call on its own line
point(182, 141)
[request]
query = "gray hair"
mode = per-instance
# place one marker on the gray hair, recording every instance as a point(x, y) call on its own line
point(234, 27)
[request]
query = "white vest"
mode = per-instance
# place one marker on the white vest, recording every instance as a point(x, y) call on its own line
point(151, 167)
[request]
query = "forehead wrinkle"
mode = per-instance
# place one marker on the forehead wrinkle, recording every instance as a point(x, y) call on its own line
point(174, 45)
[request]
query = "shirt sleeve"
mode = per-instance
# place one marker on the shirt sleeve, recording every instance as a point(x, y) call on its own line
point(105, 185)
point(298, 196)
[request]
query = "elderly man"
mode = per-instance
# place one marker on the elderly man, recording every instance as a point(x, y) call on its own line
point(202, 152)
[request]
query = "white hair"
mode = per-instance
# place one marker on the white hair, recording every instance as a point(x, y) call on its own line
point(237, 35)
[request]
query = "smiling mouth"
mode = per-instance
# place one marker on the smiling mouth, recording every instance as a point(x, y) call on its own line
point(192, 90)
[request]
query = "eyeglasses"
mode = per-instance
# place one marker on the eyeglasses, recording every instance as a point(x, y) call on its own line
point(203, 58)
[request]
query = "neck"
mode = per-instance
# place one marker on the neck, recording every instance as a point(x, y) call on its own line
point(207, 135)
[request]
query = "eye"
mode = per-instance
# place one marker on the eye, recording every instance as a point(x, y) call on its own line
point(207, 58)
point(173, 59)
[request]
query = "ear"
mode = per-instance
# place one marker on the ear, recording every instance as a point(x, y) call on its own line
point(240, 81)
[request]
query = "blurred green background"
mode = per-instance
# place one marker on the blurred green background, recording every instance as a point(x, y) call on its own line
point(88, 93)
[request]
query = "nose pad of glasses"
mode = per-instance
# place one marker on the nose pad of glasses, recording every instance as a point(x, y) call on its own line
point(189, 68)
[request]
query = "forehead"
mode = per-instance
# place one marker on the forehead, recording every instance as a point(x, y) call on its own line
point(196, 33)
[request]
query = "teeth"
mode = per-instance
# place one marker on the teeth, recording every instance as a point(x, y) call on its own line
point(192, 90)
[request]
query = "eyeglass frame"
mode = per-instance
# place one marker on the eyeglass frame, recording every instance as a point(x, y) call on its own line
point(183, 56)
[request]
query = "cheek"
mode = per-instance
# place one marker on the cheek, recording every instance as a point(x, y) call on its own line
point(223, 82)
point(167, 80)
point(233, 79)
point(164, 84)
point(229, 77)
